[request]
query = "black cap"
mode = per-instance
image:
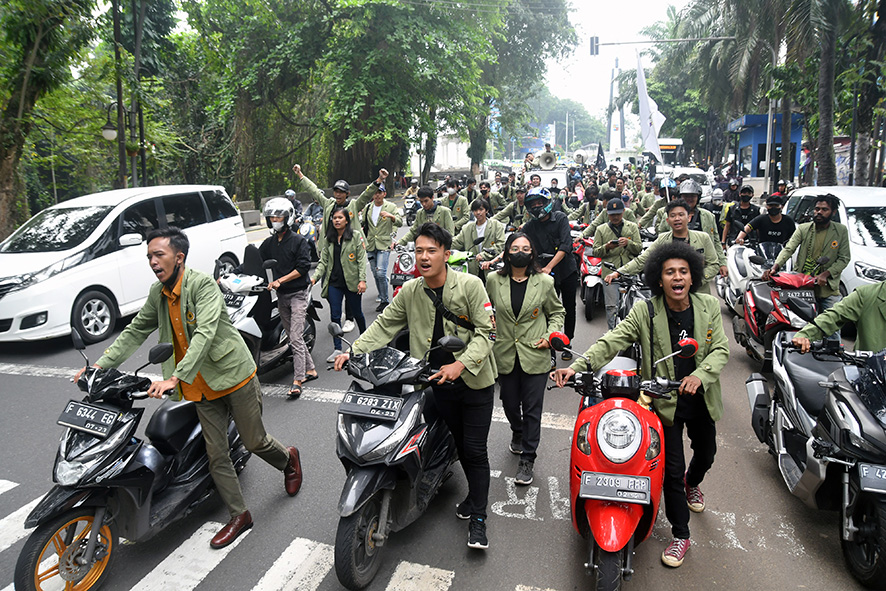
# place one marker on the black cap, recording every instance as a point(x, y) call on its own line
point(341, 186)
point(615, 206)
point(774, 200)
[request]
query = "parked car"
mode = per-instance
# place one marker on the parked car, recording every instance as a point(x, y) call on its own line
point(81, 263)
point(696, 174)
point(863, 211)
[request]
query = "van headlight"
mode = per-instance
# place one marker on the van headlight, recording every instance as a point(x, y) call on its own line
point(29, 279)
point(619, 435)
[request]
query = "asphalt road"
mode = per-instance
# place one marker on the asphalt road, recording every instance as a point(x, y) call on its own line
point(753, 534)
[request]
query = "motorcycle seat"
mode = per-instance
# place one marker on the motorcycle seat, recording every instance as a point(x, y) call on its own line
point(171, 426)
point(805, 372)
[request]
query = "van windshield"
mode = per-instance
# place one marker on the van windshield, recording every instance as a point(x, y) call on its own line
point(867, 225)
point(54, 230)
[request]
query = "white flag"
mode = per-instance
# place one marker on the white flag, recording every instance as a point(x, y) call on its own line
point(651, 119)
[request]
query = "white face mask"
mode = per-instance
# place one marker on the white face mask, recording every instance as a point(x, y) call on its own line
point(277, 226)
point(451, 190)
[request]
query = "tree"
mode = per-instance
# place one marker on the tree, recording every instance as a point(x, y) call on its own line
point(38, 41)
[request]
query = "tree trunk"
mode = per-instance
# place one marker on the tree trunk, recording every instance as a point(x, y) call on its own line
point(873, 164)
point(478, 135)
point(430, 149)
point(824, 153)
point(244, 148)
point(356, 164)
point(15, 124)
point(787, 162)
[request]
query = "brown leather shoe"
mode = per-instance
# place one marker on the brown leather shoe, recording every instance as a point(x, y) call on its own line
point(292, 473)
point(236, 526)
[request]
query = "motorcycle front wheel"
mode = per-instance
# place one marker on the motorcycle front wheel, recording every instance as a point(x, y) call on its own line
point(607, 574)
point(49, 559)
point(589, 303)
point(357, 556)
point(866, 553)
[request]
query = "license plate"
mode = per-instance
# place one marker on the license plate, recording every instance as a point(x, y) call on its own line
point(614, 487)
point(806, 295)
point(383, 408)
point(233, 300)
point(400, 278)
point(872, 477)
point(87, 418)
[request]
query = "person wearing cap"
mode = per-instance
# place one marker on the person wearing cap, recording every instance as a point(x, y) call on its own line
point(772, 226)
point(515, 214)
point(412, 191)
point(603, 216)
point(457, 205)
point(470, 192)
point(739, 215)
point(381, 218)
point(429, 212)
point(616, 242)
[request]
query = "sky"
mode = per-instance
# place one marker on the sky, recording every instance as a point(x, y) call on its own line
point(585, 78)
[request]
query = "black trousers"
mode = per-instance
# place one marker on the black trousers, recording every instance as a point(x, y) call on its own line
point(702, 433)
point(468, 414)
point(567, 288)
point(522, 397)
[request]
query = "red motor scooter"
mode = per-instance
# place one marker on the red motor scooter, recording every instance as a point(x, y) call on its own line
point(404, 267)
point(616, 466)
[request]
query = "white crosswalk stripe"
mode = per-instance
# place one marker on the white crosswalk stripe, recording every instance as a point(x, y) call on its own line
point(12, 527)
point(190, 563)
point(6, 485)
point(302, 566)
point(418, 577)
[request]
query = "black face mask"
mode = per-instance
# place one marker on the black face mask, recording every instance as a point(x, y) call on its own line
point(484, 191)
point(520, 259)
point(170, 283)
point(774, 211)
point(746, 198)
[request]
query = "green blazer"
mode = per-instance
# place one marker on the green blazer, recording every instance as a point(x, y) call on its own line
point(836, 247)
point(497, 201)
point(708, 226)
point(441, 216)
point(713, 349)
point(513, 212)
point(653, 209)
point(700, 241)
point(379, 237)
point(460, 209)
point(602, 218)
point(620, 255)
point(585, 213)
point(866, 306)
point(465, 296)
point(541, 314)
point(215, 348)
point(353, 261)
point(354, 205)
point(494, 238)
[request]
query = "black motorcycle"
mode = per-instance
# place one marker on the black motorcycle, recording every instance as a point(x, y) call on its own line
point(395, 460)
point(109, 483)
point(825, 423)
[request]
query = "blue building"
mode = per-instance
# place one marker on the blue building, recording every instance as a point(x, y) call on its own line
point(751, 149)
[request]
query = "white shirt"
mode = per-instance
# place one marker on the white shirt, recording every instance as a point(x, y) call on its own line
point(481, 230)
point(376, 211)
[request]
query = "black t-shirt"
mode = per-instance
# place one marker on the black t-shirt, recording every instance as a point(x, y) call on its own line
point(438, 357)
point(552, 235)
point(680, 326)
point(337, 274)
point(518, 294)
point(739, 218)
point(292, 252)
point(769, 231)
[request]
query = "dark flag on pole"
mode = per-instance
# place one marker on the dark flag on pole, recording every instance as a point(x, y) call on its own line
point(601, 160)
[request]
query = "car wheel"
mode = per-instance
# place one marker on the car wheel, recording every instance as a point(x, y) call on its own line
point(93, 316)
point(226, 264)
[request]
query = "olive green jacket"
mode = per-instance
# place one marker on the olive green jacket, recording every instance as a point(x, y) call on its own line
point(379, 236)
point(215, 348)
point(441, 216)
point(460, 210)
point(708, 226)
point(354, 205)
point(585, 213)
point(541, 314)
point(653, 209)
point(700, 241)
point(514, 213)
point(464, 295)
point(493, 238)
point(866, 307)
point(713, 349)
point(602, 218)
point(470, 195)
point(497, 201)
point(353, 261)
point(836, 248)
point(620, 255)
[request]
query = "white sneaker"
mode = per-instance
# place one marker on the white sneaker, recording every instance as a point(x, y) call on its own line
point(331, 358)
point(377, 299)
point(348, 326)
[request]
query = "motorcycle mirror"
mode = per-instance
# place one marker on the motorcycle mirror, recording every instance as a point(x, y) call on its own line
point(823, 260)
point(451, 344)
point(269, 264)
point(78, 340)
point(160, 353)
point(688, 348)
point(801, 308)
point(335, 330)
point(559, 341)
point(480, 240)
point(757, 259)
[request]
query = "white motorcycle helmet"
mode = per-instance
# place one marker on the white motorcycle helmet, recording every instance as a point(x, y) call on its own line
point(279, 207)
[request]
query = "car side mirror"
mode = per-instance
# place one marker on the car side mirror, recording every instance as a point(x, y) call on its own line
point(130, 240)
point(559, 341)
point(451, 344)
point(160, 353)
point(688, 348)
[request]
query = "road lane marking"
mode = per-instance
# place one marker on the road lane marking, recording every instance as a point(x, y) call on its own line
point(419, 577)
point(6, 485)
point(301, 567)
point(12, 527)
point(190, 563)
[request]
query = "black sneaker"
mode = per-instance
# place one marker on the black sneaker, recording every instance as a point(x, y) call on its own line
point(381, 306)
point(566, 356)
point(516, 444)
point(461, 512)
point(477, 534)
point(524, 472)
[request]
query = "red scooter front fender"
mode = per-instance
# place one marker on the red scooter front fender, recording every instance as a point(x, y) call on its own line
point(612, 524)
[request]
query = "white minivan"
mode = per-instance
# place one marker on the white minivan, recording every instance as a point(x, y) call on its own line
point(82, 263)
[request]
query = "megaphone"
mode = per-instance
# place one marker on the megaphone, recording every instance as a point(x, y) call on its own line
point(580, 156)
point(546, 160)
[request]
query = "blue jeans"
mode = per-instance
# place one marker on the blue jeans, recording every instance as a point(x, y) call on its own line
point(355, 303)
point(378, 264)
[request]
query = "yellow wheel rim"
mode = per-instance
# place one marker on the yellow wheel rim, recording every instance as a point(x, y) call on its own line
point(56, 568)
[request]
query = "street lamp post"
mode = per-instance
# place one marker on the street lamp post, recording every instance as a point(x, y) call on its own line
point(769, 123)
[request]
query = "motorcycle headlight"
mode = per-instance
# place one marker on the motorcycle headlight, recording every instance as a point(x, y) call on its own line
point(619, 435)
point(81, 453)
point(594, 269)
point(870, 272)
